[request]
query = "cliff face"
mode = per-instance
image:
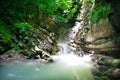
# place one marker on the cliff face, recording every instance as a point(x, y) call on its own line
point(102, 31)
point(114, 16)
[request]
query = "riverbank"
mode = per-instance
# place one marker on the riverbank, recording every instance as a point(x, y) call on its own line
point(107, 68)
point(12, 56)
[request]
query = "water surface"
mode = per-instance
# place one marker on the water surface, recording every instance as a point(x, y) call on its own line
point(64, 68)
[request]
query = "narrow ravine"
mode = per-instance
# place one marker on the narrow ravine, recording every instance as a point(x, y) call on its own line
point(59, 40)
point(69, 63)
point(66, 66)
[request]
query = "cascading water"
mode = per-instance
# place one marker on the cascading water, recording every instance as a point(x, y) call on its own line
point(66, 66)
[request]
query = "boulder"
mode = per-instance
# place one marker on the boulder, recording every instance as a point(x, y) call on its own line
point(99, 37)
point(99, 30)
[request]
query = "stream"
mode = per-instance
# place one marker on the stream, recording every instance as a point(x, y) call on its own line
point(66, 66)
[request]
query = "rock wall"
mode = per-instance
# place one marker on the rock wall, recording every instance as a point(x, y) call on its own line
point(114, 16)
point(104, 35)
point(44, 45)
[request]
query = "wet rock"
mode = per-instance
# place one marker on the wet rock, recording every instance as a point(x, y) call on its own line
point(37, 57)
point(50, 60)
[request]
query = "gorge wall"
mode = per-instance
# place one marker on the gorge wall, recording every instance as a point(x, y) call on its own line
point(100, 26)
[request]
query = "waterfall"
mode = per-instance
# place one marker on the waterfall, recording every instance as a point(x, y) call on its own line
point(70, 46)
point(67, 46)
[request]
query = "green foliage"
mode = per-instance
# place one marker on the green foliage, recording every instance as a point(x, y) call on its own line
point(15, 28)
point(22, 27)
point(5, 36)
point(100, 11)
point(47, 5)
point(63, 11)
point(9, 54)
point(4, 32)
point(58, 9)
point(21, 21)
point(24, 31)
point(115, 63)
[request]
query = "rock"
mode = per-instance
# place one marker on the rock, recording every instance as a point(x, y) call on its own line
point(15, 55)
point(50, 60)
point(116, 73)
point(100, 29)
point(37, 57)
point(108, 44)
point(114, 16)
point(92, 51)
point(99, 37)
point(103, 35)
